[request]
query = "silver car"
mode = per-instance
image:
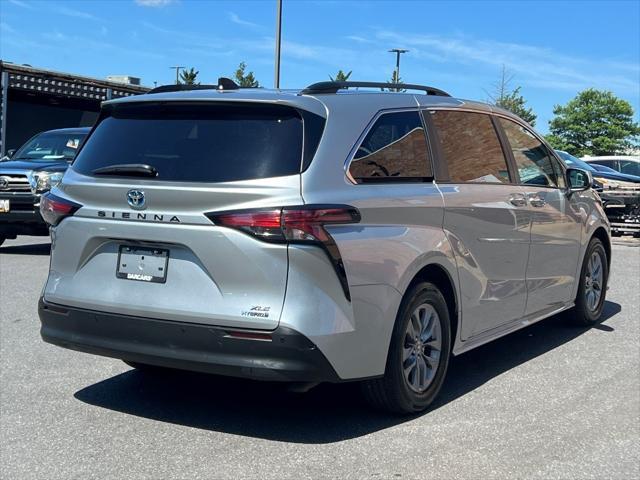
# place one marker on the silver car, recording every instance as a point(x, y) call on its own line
point(332, 234)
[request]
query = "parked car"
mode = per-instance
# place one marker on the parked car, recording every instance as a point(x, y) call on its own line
point(602, 168)
point(316, 236)
point(30, 171)
point(620, 194)
point(608, 177)
point(628, 164)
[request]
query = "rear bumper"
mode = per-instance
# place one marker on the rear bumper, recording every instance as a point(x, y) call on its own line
point(288, 356)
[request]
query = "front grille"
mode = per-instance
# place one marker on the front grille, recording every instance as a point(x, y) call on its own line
point(14, 183)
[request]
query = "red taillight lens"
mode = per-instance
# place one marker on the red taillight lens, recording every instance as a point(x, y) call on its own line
point(53, 208)
point(307, 224)
point(261, 223)
point(291, 224)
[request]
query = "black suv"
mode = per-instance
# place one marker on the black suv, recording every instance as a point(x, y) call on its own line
point(30, 171)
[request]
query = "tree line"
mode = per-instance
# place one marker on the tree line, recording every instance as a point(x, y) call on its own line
point(595, 122)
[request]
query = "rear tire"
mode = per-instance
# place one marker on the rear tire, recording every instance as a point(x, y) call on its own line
point(418, 355)
point(592, 289)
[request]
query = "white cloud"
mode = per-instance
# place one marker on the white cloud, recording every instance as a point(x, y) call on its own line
point(535, 66)
point(358, 39)
point(245, 23)
point(154, 3)
point(21, 4)
point(5, 27)
point(72, 12)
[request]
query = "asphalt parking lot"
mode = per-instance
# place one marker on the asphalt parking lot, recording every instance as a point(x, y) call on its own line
point(548, 401)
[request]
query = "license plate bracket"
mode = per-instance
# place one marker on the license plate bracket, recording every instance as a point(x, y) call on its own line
point(142, 264)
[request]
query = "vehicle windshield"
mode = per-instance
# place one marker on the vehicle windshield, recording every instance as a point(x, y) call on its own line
point(574, 161)
point(51, 146)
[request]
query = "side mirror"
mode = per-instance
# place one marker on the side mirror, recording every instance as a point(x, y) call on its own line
point(578, 180)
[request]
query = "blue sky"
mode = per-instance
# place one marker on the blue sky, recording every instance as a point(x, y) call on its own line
point(552, 49)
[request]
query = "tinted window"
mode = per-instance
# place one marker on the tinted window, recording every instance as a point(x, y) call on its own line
point(470, 147)
point(198, 143)
point(395, 147)
point(534, 161)
point(630, 167)
point(51, 146)
point(607, 163)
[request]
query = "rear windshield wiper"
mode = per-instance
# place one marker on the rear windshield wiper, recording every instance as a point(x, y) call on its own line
point(128, 169)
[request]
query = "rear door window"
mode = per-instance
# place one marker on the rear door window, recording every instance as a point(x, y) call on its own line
point(470, 148)
point(198, 143)
point(395, 149)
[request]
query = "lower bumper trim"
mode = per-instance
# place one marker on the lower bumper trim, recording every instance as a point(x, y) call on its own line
point(289, 356)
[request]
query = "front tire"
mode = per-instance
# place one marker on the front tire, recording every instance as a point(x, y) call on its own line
point(592, 289)
point(418, 354)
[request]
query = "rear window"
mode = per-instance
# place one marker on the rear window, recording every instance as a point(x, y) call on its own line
point(198, 143)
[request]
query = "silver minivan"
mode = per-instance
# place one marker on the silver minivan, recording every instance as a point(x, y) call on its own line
point(332, 234)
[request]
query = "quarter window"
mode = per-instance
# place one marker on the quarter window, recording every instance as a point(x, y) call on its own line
point(534, 161)
point(470, 147)
point(395, 149)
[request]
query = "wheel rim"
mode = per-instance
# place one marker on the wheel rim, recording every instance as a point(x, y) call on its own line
point(593, 282)
point(422, 348)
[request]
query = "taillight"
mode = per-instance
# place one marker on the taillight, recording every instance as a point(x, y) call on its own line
point(53, 208)
point(304, 224)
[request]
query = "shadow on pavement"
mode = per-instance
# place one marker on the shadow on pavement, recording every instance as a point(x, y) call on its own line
point(327, 413)
point(29, 249)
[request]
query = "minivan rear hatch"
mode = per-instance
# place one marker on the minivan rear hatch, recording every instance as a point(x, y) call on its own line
point(142, 244)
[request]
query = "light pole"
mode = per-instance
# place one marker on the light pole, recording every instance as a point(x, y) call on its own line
point(398, 52)
point(276, 80)
point(178, 68)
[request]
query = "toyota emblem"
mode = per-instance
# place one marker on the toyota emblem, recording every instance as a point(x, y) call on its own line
point(135, 199)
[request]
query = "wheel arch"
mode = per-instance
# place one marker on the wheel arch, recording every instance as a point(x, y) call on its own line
point(441, 278)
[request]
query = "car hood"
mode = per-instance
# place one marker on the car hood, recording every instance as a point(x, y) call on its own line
point(21, 166)
point(621, 177)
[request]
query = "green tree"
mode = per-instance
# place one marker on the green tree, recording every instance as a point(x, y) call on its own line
point(341, 76)
point(504, 97)
point(395, 79)
point(245, 80)
point(188, 77)
point(595, 122)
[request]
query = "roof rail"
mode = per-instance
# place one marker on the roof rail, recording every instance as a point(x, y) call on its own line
point(223, 84)
point(333, 87)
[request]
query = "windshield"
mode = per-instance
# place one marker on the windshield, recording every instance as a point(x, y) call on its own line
point(51, 146)
point(574, 162)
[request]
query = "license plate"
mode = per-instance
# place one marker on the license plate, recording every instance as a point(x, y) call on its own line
point(143, 264)
point(5, 206)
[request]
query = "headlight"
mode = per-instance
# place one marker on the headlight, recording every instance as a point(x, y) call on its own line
point(44, 181)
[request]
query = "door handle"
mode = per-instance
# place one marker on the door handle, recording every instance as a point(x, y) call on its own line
point(517, 200)
point(536, 200)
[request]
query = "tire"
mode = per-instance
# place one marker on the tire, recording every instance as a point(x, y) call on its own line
point(587, 308)
point(400, 393)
